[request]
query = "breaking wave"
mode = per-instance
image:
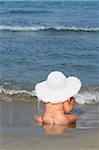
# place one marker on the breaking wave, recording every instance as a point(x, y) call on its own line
point(47, 28)
point(87, 94)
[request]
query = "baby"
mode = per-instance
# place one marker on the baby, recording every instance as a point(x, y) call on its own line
point(57, 94)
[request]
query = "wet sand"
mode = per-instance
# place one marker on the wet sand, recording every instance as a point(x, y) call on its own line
point(75, 141)
point(18, 130)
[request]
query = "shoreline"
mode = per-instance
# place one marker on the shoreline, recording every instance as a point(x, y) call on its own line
point(19, 131)
point(86, 140)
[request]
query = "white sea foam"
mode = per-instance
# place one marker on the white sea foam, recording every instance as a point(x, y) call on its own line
point(15, 92)
point(87, 94)
point(85, 97)
point(47, 28)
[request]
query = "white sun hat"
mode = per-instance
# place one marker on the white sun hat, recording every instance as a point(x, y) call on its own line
point(57, 88)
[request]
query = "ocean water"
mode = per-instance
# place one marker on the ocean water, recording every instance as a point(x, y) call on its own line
point(39, 37)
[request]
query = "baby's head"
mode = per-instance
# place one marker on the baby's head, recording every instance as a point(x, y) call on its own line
point(57, 88)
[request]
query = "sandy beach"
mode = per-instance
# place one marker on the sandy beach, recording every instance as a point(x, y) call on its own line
point(77, 141)
point(36, 38)
point(19, 131)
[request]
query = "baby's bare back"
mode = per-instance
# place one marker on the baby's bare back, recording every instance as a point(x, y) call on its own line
point(54, 114)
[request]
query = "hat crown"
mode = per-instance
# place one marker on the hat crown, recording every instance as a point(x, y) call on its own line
point(56, 80)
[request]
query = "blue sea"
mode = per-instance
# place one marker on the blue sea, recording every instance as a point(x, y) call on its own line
point(37, 37)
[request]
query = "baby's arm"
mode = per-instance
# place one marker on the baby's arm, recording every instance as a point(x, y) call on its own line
point(38, 119)
point(69, 105)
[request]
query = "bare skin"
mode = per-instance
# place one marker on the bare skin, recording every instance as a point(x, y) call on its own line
point(55, 113)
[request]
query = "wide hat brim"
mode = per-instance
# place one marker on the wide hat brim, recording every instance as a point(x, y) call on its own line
point(44, 93)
